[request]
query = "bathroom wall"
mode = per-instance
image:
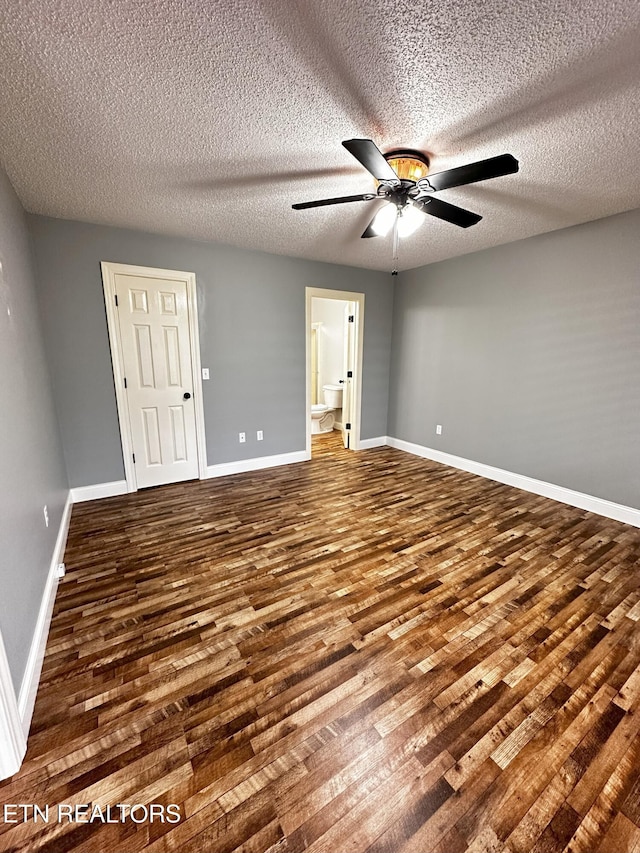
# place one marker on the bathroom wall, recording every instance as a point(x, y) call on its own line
point(329, 312)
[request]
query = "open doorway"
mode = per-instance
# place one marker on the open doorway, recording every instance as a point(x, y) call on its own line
point(334, 334)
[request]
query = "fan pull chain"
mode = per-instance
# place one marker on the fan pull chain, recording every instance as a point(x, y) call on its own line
point(396, 243)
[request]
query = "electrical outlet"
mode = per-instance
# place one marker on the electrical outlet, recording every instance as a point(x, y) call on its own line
point(205, 372)
point(46, 515)
point(260, 435)
point(242, 437)
point(61, 570)
point(439, 429)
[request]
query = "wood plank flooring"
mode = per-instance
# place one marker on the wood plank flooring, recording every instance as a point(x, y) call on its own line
point(365, 652)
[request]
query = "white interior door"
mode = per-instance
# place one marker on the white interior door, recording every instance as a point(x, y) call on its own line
point(158, 373)
point(349, 368)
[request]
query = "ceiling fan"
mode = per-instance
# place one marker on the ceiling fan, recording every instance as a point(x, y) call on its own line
point(403, 182)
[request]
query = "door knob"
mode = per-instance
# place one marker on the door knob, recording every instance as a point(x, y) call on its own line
point(186, 396)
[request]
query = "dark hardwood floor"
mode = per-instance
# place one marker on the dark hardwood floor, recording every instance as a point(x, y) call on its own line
point(365, 652)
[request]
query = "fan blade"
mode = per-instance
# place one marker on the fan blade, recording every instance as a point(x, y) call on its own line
point(494, 167)
point(369, 155)
point(448, 212)
point(342, 200)
point(368, 231)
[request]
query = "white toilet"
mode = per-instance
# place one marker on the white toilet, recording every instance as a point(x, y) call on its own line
point(323, 414)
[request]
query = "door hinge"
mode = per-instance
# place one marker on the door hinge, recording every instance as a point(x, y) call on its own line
point(347, 426)
point(134, 458)
point(116, 300)
point(349, 374)
point(125, 381)
point(351, 318)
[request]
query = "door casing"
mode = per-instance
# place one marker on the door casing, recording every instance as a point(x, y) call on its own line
point(109, 272)
point(13, 741)
point(348, 398)
point(358, 300)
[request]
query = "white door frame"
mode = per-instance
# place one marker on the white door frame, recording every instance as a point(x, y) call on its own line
point(358, 300)
point(13, 743)
point(109, 272)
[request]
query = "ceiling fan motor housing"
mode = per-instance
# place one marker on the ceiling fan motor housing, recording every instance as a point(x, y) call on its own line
point(398, 193)
point(409, 165)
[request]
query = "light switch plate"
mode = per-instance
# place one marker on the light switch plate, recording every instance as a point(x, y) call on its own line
point(205, 372)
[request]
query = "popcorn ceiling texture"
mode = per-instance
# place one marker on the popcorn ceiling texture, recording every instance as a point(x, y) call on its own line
point(208, 119)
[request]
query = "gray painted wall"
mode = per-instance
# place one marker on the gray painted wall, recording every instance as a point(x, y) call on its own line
point(529, 356)
point(31, 464)
point(252, 338)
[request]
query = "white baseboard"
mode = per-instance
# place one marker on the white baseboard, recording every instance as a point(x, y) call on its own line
point(16, 712)
point(600, 506)
point(223, 469)
point(31, 678)
point(100, 490)
point(368, 443)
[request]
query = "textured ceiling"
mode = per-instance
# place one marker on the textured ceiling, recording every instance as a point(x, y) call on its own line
point(208, 119)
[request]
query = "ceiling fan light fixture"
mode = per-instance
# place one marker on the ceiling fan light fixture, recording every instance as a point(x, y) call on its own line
point(383, 221)
point(409, 219)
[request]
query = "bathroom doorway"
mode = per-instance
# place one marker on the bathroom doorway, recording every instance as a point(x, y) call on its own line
point(334, 335)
